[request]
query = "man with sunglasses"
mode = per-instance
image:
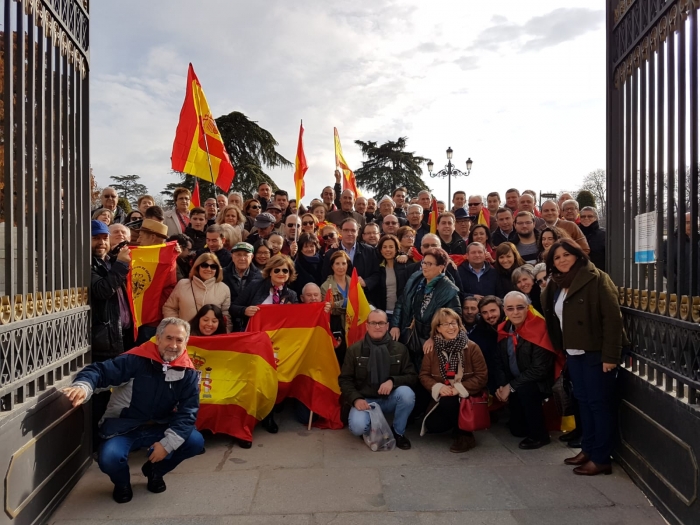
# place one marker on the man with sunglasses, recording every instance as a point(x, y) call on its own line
point(109, 199)
point(474, 205)
point(292, 229)
point(362, 256)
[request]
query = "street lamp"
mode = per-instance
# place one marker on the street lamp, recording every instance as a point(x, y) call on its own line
point(449, 171)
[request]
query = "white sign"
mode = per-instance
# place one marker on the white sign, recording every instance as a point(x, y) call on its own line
point(645, 238)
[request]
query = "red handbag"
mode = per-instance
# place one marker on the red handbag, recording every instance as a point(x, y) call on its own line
point(474, 412)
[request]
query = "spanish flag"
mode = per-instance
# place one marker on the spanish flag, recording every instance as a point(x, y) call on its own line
point(300, 166)
point(196, 200)
point(198, 149)
point(238, 385)
point(349, 182)
point(482, 219)
point(356, 312)
point(152, 275)
point(307, 368)
point(433, 216)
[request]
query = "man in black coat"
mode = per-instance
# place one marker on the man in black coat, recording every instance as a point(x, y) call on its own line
point(240, 274)
point(595, 235)
point(362, 256)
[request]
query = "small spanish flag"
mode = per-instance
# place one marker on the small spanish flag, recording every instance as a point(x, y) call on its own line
point(195, 201)
point(356, 312)
point(433, 218)
point(482, 219)
point(300, 166)
point(349, 182)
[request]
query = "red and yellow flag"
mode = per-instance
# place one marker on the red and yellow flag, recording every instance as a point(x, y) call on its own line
point(196, 200)
point(356, 312)
point(198, 149)
point(238, 386)
point(151, 277)
point(349, 182)
point(300, 166)
point(483, 219)
point(307, 368)
point(433, 216)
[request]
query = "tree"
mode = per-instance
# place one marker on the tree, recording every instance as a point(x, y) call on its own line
point(250, 147)
point(206, 189)
point(129, 187)
point(585, 198)
point(596, 182)
point(388, 167)
point(95, 192)
point(125, 204)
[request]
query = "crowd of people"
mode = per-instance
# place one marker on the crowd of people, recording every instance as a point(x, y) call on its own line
point(496, 299)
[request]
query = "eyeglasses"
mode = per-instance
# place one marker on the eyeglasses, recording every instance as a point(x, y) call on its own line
point(515, 308)
point(307, 223)
point(377, 323)
point(281, 270)
point(329, 236)
point(523, 223)
point(427, 264)
point(451, 324)
point(586, 216)
point(110, 196)
point(292, 225)
point(252, 207)
point(474, 204)
point(430, 245)
point(212, 266)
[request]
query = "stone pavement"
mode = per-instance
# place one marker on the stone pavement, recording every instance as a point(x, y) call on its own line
point(319, 477)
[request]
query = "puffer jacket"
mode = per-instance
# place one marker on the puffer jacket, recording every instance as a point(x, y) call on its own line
point(190, 295)
point(105, 281)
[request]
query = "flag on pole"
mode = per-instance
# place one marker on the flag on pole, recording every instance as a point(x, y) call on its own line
point(195, 201)
point(482, 219)
point(153, 270)
point(238, 385)
point(198, 149)
point(356, 312)
point(307, 368)
point(433, 216)
point(349, 182)
point(300, 166)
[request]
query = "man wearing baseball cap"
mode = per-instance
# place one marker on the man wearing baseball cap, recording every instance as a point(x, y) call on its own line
point(240, 274)
point(264, 225)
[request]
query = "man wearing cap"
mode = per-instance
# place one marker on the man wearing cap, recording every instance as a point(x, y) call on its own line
point(346, 211)
point(463, 223)
point(274, 210)
point(240, 274)
point(264, 226)
point(152, 233)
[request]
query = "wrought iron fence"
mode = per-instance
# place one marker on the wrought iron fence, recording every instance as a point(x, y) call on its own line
point(653, 182)
point(44, 206)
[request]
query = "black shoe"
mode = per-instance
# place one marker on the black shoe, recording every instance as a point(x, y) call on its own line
point(402, 441)
point(532, 444)
point(574, 435)
point(201, 451)
point(243, 443)
point(122, 494)
point(155, 480)
point(574, 443)
point(268, 423)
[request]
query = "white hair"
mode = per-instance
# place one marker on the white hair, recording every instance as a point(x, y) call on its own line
point(308, 286)
point(591, 209)
point(172, 321)
point(570, 201)
point(415, 206)
point(116, 226)
point(387, 198)
point(236, 193)
point(517, 295)
point(481, 198)
point(426, 192)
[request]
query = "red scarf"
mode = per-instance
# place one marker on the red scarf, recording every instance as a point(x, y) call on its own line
point(415, 254)
point(149, 350)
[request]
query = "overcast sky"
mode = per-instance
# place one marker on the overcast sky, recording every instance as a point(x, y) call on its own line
point(517, 86)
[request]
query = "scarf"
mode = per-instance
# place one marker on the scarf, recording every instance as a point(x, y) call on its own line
point(379, 362)
point(564, 280)
point(149, 350)
point(276, 294)
point(313, 259)
point(451, 357)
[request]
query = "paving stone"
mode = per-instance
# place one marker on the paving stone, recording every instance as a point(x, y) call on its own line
point(619, 488)
point(469, 517)
point(294, 519)
point(489, 451)
point(342, 449)
point(597, 516)
point(367, 518)
point(446, 488)
point(318, 490)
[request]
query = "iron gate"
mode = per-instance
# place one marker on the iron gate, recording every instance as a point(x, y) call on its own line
point(45, 250)
point(652, 169)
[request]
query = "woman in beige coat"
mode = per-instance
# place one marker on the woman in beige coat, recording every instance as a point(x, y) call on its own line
point(204, 286)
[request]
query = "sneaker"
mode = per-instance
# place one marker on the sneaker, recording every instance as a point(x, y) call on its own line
point(402, 441)
point(155, 480)
point(122, 494)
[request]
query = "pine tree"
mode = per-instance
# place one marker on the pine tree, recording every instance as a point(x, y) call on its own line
point(128, 187)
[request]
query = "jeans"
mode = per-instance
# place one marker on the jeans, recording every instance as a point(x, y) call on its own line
point(114, 452)
point(400, 402)
point(595, 392)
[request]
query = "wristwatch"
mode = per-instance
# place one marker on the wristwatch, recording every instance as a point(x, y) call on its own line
point(512, 390)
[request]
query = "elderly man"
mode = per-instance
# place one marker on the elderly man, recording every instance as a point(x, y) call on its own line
point(550, 214)
point(362, 256)
point(390, 225)
point(154, 406)
point(371, 206)
point(415, 221)
point(595, 235)
point(236, 198)
point(292, 228)
point(152, 233)
point(109, 199)
point(221, 201)
point(240, 274)
point(477, 276)
point(210, 209)
point(569, 211)
point(118, 233)
point(475, 205)
point(346, 211)
point(361, 207)
point(378, 370)
point(526, 202)
point(450, 240)
point(562, 199)
point(387, 207)
point(311, 293)
point(178, 219)
point(425, 199)
point(145, 202)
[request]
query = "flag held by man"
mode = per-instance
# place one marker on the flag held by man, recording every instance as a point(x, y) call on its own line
point(357, 311)
point(433, 216)
point(349, 182)
point(198, 149)
point(300, 166)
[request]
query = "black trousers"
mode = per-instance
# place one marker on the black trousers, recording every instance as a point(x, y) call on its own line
point(526, 415)
point(445, 417)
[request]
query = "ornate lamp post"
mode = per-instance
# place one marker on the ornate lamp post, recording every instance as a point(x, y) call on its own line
point(449, 171)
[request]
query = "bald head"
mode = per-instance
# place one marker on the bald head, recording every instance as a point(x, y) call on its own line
point(311, 293)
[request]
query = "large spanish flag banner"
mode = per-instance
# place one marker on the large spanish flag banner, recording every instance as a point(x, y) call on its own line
point(300, 166)
point(152, 271)
point(349, 182)
point(198, 149)
point(307, 368)
point(356, 312)
point(238, 384)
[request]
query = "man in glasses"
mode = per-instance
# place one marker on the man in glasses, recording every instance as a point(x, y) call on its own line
point(527, 236)
point(370, 234)
point(109, 200)
point(430, 240)
point(595, 235)
point(390, 225)
point(210, 208)
point(362, 256)
point(292, 229)
point(378, 370)
point(475, 205)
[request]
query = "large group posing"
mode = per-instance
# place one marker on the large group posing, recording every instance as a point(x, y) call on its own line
point(454, 313)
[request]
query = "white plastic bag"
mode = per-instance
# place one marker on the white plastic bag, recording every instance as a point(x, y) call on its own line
point(380, 435)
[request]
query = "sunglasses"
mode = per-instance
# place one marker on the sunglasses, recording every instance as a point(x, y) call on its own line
point(329, 236)
point(207, 265)
point(281, 270)
point(254, 207)
point(292, 225)
point(541, 281)
point(307, 223)
point(474, 204)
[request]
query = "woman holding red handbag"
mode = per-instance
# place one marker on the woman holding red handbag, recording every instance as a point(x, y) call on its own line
point(453, 371)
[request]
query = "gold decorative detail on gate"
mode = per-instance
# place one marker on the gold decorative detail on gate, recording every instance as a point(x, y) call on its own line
point(66, 299)
point(662, 304)
point(30, 306)
point(652, 301)
point(19, 307)
point(57, 303)
point(48, 304)
point(644, 300)
point(39, 304)
point(685, 307)
point(696, 309)
point(628, 296)
point(5, 310)
point(635, 298)
point(73, 297)
point(621, 9)
point(673, 305)
point(621, 294)
point(85, 296)
point(645, 48)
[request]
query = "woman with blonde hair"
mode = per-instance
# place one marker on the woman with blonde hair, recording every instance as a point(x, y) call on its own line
point(309, 223)
point(103, 215)
point(204, 286)
point(232, 236)
point(233, 215)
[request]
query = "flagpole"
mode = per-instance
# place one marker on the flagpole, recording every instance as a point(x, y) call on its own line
point(296, 230)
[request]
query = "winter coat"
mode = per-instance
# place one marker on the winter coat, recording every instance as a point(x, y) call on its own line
point(338, 216)
point(236, 284)
point(255, 294)
point(536, 364)
point(337, 308)
point(592, 318)
point(473, 381)
point(575, 233)
point(595, 235)
point(190, 295)
point(402, 272)
point(172, 221)
point(106, 324)
point(307, 272)
point(199, 238)
point(365, 261)
point(486, 284)
point(456, 246)
point(498, 238)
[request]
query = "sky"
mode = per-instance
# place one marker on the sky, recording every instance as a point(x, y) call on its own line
point(518, 87)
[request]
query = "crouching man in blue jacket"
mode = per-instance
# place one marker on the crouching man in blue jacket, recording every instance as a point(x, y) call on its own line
point(154, 405)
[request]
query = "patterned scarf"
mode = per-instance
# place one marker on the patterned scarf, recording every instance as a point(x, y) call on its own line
point(276, 295)
point(451, 357)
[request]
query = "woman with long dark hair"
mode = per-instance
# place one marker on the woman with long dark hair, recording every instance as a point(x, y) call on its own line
point(208, 321)
point(393, 274)
point(507, 260)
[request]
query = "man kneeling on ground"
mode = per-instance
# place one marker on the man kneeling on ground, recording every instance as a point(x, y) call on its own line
point(154, 405)
point(378, 370)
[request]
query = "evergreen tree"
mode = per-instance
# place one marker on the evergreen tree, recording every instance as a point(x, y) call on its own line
point(585, 198)
point(206, 189)
point(129, 187)
point(388, 167)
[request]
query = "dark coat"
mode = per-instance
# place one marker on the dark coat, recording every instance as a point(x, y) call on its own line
point(254, 295)
point(106, 324)
point(338, 216)
point(682, 281)
point(487, 284)
point(536, 365)
point(199, 238)
point(595, 235)
point(354, 376)
point(505, 283)
point(307, 272)
point(420, 232)
point(486, 336)
point(403, 272)
point(365, 261)
point(498, 238)
point(223, 255)
point(237, 284)
point(456, 246)
point(592, 318)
